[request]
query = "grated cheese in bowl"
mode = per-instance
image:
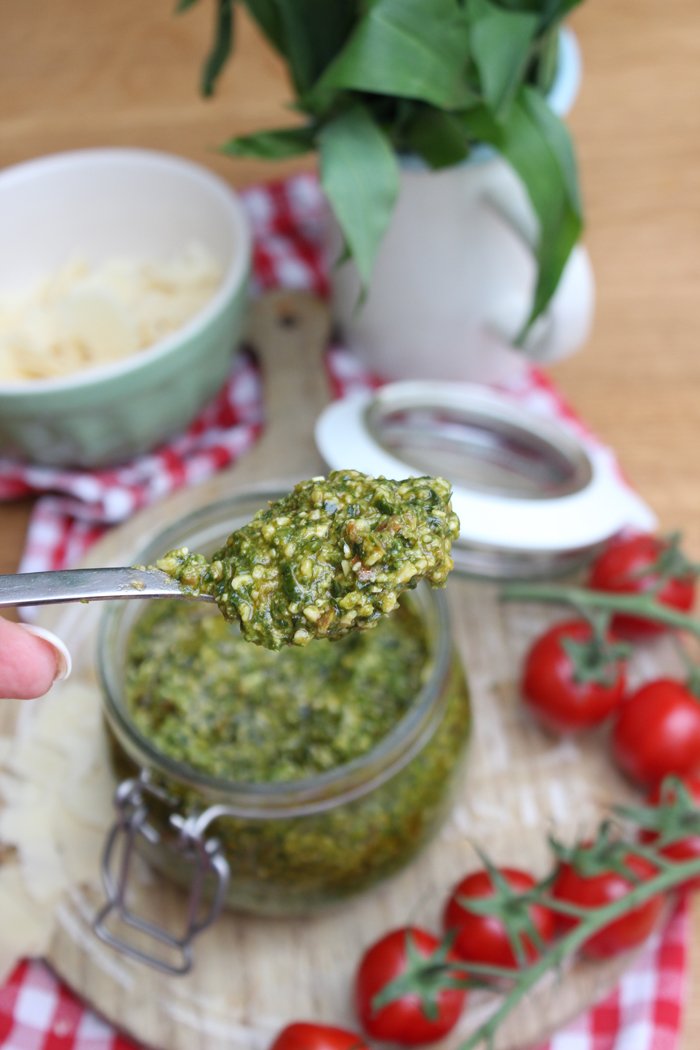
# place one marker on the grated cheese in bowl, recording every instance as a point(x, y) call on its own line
point(83, 316)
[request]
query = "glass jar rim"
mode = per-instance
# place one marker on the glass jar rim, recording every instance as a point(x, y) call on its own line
point(292, 797)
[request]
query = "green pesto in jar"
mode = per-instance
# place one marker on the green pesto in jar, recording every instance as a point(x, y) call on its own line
point(204, 697)
point(336, 703)
point(330, 557)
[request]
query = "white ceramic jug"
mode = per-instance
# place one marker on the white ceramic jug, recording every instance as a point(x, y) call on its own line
point(455, 274)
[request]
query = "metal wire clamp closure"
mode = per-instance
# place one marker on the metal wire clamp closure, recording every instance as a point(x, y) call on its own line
point(132, 824)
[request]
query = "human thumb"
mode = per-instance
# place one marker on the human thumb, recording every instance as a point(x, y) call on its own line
point(31, 660)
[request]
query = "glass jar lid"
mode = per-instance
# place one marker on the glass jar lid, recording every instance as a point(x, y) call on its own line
point(531, 496)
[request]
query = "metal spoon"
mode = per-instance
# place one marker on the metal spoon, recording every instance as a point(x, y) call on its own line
point(90, 585)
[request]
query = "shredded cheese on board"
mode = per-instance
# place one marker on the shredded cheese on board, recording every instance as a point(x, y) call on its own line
point(55, 788)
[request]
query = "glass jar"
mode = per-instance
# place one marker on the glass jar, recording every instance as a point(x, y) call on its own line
point(291, 848)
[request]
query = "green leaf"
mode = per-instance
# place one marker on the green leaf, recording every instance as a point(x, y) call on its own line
point(501, 44)
point(221, 48)
point(359, 174)
point(267, 16)
point(554, 134)
point(552, 12)
point(407, 49)
point(549, 12)
point(184, 5)
point(546, 60)
point(307, 33)
point(271, 145)
point(437, 137)
point(537, 146)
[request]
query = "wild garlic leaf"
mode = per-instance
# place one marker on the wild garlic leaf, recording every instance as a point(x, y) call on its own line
point(311, 33)
point(221, 48)
point(406, 49)
point(557, 137)
point(267, 15)
point(438, 138)
point(545, 61)
point(359, 174)
point(537, 146)
point(552, 12)
point(502, 45)
point(275, 144)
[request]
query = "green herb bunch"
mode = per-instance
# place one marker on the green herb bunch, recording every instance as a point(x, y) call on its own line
point(434, 78)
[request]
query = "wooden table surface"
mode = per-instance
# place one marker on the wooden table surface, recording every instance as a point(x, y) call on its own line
point(123, 72)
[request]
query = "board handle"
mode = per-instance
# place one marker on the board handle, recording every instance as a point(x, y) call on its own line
point(289, 332)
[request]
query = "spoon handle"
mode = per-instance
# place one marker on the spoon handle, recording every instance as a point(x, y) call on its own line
point(83, 585)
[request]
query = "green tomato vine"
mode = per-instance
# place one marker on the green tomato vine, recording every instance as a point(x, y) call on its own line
point(676, 817)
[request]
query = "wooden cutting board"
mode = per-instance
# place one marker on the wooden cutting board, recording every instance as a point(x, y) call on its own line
point(252, 976)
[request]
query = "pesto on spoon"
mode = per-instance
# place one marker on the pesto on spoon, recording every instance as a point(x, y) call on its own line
point(330, 557)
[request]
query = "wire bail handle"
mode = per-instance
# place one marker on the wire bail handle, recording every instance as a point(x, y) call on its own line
point(132, 825)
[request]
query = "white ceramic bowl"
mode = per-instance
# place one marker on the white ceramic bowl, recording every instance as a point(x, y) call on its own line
point(100, 204)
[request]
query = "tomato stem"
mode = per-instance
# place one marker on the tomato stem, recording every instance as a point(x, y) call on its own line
point(637, 604)
point(472, 968)
point(565, 907)
point(652, 855)
point(676, 818)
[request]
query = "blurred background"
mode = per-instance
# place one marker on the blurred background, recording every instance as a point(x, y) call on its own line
point(126, 73)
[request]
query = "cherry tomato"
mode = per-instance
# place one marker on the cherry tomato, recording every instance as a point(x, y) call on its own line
point(657, 732)
point(484, 938)
point(687, 848)
point(404, 1020)
point(642, 564)
point(561, 696)
point(303, 1035)
point(594, 891)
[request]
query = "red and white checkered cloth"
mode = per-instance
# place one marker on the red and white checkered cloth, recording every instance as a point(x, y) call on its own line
point(37, 1012)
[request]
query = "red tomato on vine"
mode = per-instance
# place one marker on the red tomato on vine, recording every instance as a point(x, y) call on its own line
point(571, 885)
point(683, 825)
point(572, 678)
point(484, 938)
point(307, 1035)
point(657, 732)
point(422, 1010)
point(645, 564)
